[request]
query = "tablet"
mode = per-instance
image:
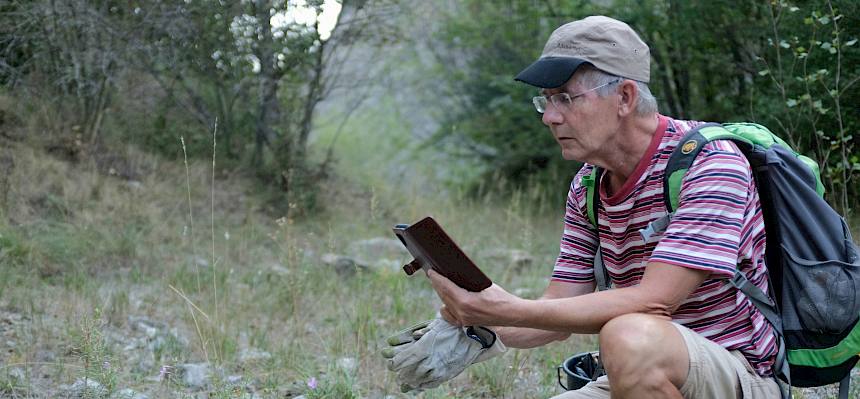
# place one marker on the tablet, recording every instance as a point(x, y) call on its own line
point(432, 248)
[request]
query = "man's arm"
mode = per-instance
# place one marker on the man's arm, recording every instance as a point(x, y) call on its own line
point(662, 290)
point(523, 338)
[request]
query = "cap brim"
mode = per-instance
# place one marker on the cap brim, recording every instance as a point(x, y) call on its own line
point(550, 72)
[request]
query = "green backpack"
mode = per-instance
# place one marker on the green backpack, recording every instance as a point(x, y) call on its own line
point(813, 263)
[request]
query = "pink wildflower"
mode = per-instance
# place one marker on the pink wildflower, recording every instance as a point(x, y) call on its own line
point(165, 372)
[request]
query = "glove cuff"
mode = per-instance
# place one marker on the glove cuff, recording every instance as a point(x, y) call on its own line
point(483, 335)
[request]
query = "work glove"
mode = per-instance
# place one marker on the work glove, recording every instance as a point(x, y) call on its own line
point(430, 353)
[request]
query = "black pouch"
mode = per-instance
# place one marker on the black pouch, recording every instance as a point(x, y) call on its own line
point(579, 370)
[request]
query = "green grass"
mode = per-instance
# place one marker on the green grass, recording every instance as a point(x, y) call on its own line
point(86, 251)
point(81, 252)
point(104, 260)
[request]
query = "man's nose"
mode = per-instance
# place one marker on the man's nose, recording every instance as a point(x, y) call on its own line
point(551, 116)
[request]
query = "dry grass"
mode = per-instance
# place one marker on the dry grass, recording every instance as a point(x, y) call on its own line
point(88, 249)
point(84, 253)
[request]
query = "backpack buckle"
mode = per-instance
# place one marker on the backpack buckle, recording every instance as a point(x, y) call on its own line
point(655, 227)
point(738, 280)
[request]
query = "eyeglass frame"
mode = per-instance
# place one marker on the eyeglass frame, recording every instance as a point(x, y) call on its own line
point(540, 102)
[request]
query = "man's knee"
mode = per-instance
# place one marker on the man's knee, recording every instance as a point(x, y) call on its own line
point(643, 349)
point(632, 333)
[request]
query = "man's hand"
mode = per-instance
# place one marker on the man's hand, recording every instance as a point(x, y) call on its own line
point(491, 307)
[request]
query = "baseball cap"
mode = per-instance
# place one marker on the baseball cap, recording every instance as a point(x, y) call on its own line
point(608, 44)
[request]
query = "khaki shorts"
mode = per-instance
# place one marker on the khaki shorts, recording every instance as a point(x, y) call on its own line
point(715, 373)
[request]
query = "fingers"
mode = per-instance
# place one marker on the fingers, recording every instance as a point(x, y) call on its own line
point(439, 282)
point(399, 339)
point(443, 288)
point(409, 334)
point(417, 334)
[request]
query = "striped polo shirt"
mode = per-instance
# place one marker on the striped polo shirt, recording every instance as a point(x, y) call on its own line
point(717, 227)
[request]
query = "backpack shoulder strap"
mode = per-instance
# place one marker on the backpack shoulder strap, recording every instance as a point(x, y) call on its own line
point(592, 194)
point(679, 162)
point(592, 201)
point(686, 152)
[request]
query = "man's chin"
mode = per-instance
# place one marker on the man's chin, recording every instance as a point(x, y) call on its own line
point(568, 156)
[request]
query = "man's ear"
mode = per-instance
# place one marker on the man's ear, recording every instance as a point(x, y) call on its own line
point(629, 93)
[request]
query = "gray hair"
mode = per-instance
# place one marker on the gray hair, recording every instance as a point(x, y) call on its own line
point(589, 76)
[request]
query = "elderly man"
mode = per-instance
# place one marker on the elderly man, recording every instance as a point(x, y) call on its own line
point(671, 327)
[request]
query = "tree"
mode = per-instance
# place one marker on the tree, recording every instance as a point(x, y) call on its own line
point(480, 49)
point(790, 67)
point(66, 52)
point(809, 71)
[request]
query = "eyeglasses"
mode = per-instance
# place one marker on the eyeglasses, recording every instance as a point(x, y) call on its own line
point(563, 100)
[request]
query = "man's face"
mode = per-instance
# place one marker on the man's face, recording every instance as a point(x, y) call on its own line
point(583, 126)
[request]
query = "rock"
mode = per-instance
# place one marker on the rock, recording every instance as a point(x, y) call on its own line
point(133, 344)
point(142, 364)
point(153, 379)
point(308, 255)
point(17, 374)
point(195, 375)
point(46, 356)
point(378, 248)
point(157, 337)
point(348, 364)
point(144, 325)
point(8, 323)
point(86, 388)
point(134, 184)
point(234, 379)
point(253, 354)
point(830, 391)
point(343, 265)
point(516, 258)
point(292, 390)
point(279, 269)
point(199, 261)
point(391, 264)
point(128, 394)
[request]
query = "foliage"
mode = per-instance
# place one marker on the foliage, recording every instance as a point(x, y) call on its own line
point(490, 116)
point(809, 71)
point(274, 293)
point(69, 53)
point(789, 66)
point(150, 72)
point(94, 351)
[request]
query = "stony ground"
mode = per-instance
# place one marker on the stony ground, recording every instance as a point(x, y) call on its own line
point(109, 290)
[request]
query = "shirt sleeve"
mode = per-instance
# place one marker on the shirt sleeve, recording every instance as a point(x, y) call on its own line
point(705, 231)
point(575, 263)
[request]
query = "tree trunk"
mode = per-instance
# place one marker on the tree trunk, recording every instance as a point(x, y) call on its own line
point(313, 98)
point(268, 81)
point(665, 76)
